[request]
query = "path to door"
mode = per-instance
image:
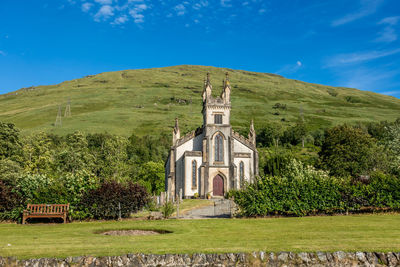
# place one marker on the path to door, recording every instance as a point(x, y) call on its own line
point(220, 209)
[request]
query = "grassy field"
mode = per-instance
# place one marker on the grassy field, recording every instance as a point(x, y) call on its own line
point(328, 233)
point(147, 101)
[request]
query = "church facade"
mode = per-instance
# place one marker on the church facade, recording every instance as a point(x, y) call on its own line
point(212, 159)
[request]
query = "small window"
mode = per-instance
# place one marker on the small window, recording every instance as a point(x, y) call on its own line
point(194, 174)
point(241, 172)
point(218, 118)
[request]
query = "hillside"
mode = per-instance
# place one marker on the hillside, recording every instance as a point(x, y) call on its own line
point(146, 101)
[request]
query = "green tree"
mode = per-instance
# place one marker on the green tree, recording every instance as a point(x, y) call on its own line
point(348, 151)
point(10, 171)
point(74, 156)
point(151, 175)
point(38, 153)
point(10, 144)
point(392, 143)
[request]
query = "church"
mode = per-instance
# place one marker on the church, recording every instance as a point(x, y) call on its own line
point(212, 159)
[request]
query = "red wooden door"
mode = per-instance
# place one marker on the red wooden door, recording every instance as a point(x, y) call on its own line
point(218, 186)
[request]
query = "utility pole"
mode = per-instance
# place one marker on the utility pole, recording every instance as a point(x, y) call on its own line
point(67, 112)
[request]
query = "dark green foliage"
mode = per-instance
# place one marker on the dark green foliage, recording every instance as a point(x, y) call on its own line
point(8, 199)
point(112, 197)
point(279, 106)
point(276, 163)
point(349, 151)
point(10, 144)
point(295, 135)
point(301, 191)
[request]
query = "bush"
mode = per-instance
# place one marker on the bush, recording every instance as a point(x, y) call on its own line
point(10, 207)
point(167, 209)
point(301, 190)
point(103, 202)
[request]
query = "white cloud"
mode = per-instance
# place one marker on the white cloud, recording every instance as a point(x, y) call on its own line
point(359, 57)
point(180, 9)
point(136, 12)
point(200, 5)
point(290, 68)
point(120, 20)
point(367, 78)
point(390, 20)
point(2, 53)
point(262, 11)
point(104, 13)
point(388, 34)
point(86, 7)
point(367, 8)
point(226, 3)
point(104, 2)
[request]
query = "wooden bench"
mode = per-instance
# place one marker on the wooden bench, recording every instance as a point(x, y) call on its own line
point(46, 211)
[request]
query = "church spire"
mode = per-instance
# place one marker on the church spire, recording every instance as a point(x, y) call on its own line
point(252, 134)
point(207, 88)
point(176, 134)
point(226, 93)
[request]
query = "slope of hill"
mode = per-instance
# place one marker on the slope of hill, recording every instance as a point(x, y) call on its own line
point(146, 101)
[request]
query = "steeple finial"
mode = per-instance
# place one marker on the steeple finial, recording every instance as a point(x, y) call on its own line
point(207, 88)
point(226, 92)
point(176, 133)
point(252, 133)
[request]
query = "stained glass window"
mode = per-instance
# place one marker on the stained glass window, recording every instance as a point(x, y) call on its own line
point(241, 172)
point(194, 173)
point(219, 147)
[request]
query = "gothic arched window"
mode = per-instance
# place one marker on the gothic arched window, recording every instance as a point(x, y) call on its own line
point(241, 172)
point(194, 173)
point(219, 148)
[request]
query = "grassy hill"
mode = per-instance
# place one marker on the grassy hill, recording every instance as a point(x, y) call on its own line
point(146, 101)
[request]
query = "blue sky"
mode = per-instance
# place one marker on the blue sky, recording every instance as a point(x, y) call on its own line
point(352, 43)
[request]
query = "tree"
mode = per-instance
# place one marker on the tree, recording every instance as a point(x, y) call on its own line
point(392, 143)
point(38, 153)
point(74, 156)
point(347, 151)
point(10, 144)
point(151, 174)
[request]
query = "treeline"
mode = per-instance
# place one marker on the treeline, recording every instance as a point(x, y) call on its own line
point(341, 169)
point(338, 169)
point(75, 169)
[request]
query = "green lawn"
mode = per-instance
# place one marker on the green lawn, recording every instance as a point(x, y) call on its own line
point(346, 233)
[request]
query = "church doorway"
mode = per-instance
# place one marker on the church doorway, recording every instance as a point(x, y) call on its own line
point(218, 186)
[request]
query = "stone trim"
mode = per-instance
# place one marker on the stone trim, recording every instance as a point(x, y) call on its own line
point(242, 155)
point(261, 258)
point(188, 136)
point(243, 140)
point(193, 153)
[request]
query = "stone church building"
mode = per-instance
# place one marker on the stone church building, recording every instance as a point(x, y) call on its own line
point(212, 159)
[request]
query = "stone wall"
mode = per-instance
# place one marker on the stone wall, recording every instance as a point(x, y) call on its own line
point(228, 259)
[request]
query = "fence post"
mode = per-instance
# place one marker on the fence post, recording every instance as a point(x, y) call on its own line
point(119, 211)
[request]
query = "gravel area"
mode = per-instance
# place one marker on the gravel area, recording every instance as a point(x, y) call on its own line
point(130, 232)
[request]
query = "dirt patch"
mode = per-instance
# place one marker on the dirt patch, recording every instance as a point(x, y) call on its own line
point(131, 232)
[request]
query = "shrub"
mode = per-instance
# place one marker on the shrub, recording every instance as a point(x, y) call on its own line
point(167, 209)
point(104, 202)
point(10, 207)
point(302, 190)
